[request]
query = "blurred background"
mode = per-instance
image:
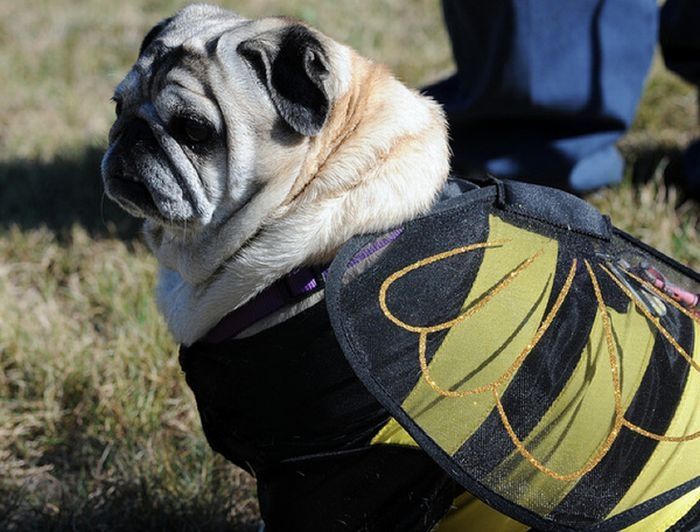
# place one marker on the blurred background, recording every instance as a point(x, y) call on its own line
point(97, 428)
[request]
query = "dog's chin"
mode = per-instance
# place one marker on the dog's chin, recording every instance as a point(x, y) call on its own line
point(132, 196)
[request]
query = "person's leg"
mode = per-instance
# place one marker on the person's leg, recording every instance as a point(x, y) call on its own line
point(679, 36)
point(544, 88)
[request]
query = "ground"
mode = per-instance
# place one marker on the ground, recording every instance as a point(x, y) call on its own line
point(97, 429)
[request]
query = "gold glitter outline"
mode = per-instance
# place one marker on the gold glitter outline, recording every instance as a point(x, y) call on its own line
point(430, 260)
point(613, 355)
point(653, 319)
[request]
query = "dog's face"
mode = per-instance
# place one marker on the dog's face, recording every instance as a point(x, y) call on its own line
point(215, 107)
point(253, 147)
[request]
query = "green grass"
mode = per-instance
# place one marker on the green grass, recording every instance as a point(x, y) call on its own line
point(97, 428)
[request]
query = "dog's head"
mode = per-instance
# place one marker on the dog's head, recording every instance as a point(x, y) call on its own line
point(253, 147)
point(215, 106)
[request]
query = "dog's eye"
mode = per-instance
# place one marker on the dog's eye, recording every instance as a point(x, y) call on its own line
point(196, 131)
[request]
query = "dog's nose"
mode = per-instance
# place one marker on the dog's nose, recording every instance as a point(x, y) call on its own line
point(137, 137)
point(134, 144)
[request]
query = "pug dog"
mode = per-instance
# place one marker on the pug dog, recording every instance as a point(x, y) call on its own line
point(254, 147)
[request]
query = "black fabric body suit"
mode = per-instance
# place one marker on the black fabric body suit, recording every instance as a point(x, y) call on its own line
point(285, 406)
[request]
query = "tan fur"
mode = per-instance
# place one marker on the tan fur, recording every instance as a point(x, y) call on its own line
point(347, 113)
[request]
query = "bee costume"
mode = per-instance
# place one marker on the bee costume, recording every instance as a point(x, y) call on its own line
point(510, 348)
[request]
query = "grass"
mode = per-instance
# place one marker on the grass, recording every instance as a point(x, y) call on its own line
point(97, 429)
point(96, 424)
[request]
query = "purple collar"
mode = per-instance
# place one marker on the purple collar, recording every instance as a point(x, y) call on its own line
point(290, 289)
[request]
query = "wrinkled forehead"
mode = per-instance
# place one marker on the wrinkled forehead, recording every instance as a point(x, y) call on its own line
point(183, 49)
point(197, 23)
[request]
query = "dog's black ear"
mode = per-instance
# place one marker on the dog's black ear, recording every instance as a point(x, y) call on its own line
point(293, 66)
point(153, 33)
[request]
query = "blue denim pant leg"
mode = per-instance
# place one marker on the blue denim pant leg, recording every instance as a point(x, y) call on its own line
point(679, 36)
point(544, 88)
